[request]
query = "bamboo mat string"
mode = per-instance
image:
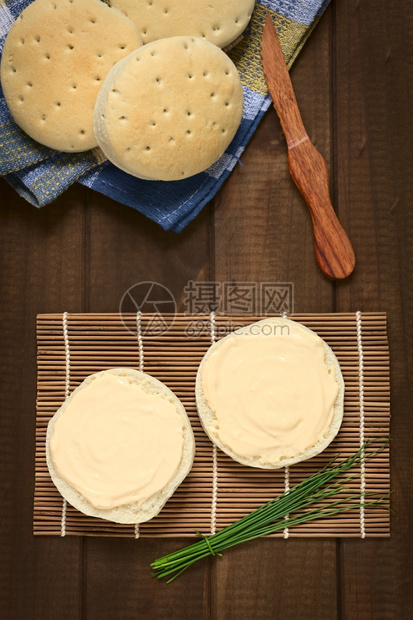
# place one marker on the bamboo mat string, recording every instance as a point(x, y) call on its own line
point(214, 455)
point(286, 532)
point(140, 340)
point(67, 392)
point(141, 361)
point(361, 401)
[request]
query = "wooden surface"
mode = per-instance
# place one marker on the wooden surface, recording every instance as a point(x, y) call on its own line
point(353, 83)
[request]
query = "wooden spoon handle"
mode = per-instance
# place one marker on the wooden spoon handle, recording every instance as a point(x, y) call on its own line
point(333, 249)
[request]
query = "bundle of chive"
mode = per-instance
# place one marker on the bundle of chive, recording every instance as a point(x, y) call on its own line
point(286, 510)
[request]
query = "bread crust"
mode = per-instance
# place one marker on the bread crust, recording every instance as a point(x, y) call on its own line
point(218, 21)
point(169, 110)
point(55, 59)
point(137, 512)
point(207, 415)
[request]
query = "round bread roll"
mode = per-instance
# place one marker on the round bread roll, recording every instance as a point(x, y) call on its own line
point(55, 58)
point(170, 109)
point(218, 22)
point(81, 456)
point(257, 391)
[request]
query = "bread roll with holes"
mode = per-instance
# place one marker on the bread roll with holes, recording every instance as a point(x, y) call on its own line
point(270, 394)
point(55, 58)
point(219, 22)
point(170, 109)
point(119, 446)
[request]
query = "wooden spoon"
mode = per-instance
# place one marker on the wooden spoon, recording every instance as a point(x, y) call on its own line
point(333, 249)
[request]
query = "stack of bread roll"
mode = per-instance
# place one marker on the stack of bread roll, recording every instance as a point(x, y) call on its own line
point(75, 76)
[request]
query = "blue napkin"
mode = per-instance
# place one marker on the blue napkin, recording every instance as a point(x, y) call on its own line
point(40, 174)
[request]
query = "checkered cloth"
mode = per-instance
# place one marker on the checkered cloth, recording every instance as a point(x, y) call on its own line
point(40, 174)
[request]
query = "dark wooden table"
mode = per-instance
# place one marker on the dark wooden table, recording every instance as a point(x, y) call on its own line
point(353, 82)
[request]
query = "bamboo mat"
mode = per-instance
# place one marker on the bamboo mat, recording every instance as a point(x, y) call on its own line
point(97, 342)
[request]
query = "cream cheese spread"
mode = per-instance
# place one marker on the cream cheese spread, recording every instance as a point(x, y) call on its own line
point(116, 443)
point(271, 391)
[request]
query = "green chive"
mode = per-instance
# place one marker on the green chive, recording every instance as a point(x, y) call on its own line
point(287, 510)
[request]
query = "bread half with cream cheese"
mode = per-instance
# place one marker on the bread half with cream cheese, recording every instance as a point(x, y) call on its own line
point(270, 394)
point(86, 436)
